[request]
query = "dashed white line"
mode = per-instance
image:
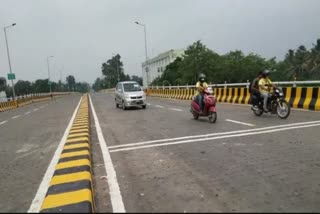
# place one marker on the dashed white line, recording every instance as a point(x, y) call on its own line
point(27, 113)
point(36, 109)
point(114, 189)
point(3, 122)
point(159, 106)
point(175, 109)
point(16, 116)
point(42, 190)
point(238, 122)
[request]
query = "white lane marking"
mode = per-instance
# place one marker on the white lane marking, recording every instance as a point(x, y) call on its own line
point(214, 138)
point(27, 113)
point(214, 134)
point(175, 109)
point(158, 106)
point(41, 106)
point(114, 189)
point(148, 104)
point(16, 116)
point(36, 109)
point(238, 122)
point(43, 187)
point(3, 122)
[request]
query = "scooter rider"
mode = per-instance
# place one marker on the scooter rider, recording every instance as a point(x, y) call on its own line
point(264, 86)
point(201, 87)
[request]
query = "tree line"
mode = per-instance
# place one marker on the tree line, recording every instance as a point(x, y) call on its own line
point(24, 87)
point(235, 66)
point(113, 72)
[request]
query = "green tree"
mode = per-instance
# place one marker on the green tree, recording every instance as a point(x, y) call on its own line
point(3, 84)
point(23, 88)
point(113, 70)
point(71, 81)
point(137, 79)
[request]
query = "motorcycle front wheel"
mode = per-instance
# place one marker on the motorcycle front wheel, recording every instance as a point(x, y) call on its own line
point(283, 109)
point(213, 117)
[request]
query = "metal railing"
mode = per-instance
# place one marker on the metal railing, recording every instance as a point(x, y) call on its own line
point(225, 85)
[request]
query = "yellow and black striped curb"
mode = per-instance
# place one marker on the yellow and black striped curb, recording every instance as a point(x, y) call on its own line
point(70, 189)
point(298, 97)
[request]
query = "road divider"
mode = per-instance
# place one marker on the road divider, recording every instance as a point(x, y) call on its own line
point(70, 188)
point(297, 97)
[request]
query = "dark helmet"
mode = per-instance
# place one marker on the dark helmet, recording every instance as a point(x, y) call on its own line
point(202, 77)
point(265, 72)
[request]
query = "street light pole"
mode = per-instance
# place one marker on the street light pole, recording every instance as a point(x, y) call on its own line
point(146, 49)
point(5, 35)
point(49, 75)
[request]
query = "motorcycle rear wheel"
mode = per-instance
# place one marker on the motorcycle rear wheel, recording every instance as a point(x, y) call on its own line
point(213, 117)
point(258, 112)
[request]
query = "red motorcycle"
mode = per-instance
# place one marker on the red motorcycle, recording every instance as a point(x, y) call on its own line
point(209, 109)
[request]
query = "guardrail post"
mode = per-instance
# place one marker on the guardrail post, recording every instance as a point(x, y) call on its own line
point(248, 83)
point(169, 86)
point(295, 82)
point(225, 84)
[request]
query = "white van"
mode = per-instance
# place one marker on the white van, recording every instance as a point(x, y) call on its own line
point(130, 94)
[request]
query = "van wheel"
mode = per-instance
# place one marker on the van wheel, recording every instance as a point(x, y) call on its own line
point(144, 106)
point(117, 105)
point(123, 106)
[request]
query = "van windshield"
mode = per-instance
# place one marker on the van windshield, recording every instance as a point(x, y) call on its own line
point(131, 87)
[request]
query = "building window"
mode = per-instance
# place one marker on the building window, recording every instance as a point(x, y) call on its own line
point(159, 69)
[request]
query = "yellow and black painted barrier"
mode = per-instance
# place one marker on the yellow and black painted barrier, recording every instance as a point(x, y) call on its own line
point(298, 97)
point(71, 188)
point(8, 105)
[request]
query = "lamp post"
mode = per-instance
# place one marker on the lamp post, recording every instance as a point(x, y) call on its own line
point(146, 50)
point(5, 35)
point(49, 75)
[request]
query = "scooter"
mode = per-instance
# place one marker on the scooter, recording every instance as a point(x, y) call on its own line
point(209, 109)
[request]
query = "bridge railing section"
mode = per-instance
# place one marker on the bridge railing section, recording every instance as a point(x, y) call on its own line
point(9, 103)
point(299, 94)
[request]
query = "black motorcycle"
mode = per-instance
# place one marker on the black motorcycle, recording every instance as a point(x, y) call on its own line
point(276, 104)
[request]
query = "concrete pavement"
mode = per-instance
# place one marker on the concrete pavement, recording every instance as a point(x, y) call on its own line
point(27, 146)
point(167, 162)
point(272, 171)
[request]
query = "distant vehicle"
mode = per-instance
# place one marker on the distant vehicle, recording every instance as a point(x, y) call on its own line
point(130, 94)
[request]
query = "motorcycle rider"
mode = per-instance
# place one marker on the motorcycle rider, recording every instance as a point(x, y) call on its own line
point(264, 87)
point(255, 91)
point(201, 87)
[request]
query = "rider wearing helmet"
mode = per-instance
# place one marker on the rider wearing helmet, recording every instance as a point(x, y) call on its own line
point(255, 90)
point(201, 87)
point(264, 88)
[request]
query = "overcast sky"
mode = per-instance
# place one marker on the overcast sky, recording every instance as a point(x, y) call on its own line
point(81, 34)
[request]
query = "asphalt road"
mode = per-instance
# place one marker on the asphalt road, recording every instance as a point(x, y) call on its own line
point(274, 168)
point(29, 137)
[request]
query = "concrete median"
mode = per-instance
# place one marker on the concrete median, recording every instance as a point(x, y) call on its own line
point(71, 188)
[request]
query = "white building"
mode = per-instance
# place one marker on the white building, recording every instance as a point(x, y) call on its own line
point(157, 65)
